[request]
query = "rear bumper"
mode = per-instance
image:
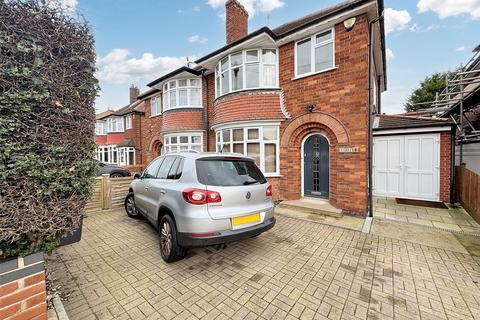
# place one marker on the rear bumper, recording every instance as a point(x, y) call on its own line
point(186, 240)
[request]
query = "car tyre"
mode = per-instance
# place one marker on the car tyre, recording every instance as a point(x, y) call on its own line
point(130, 207)
point(169, 248)
point(116, 175)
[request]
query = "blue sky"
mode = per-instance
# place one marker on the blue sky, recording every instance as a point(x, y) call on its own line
point(137, 41)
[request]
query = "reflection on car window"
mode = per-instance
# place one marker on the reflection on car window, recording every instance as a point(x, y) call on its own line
point(228, 172)
point(152, 169)
point(165, 168)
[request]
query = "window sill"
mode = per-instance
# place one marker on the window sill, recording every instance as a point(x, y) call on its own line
point(272, 175)
point(314, 73)
point(247, 90)
point(182, 108)
point(157, 115)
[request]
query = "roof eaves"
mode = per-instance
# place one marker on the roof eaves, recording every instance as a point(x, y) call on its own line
point(173, 73)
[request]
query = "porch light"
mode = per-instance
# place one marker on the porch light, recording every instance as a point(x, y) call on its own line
point(310, 107)
point(349, 23)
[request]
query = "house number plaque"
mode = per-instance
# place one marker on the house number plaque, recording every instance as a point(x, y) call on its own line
point(348, 149)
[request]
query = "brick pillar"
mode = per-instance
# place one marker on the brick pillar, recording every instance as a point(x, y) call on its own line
point(22, 288)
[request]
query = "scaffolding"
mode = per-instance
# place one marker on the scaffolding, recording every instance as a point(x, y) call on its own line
point(460, 97)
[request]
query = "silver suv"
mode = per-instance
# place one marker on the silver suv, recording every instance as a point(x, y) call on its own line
point(201, 199)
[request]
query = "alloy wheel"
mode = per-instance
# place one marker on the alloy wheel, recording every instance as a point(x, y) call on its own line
point(166, 238)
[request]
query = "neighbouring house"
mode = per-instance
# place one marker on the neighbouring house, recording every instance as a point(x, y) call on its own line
point(118, 133)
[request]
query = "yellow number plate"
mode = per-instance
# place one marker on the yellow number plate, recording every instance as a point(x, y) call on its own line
point(246, 219)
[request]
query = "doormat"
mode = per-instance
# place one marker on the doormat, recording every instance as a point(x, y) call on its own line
point(422, 203)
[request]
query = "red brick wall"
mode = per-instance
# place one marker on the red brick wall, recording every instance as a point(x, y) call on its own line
point(249, 105)
point(236, 21)
point(135, 134)
point(445, 158)
point(182, 119)
point(343, 94)
point(151, 138)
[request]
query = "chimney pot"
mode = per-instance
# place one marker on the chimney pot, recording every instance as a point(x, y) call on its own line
point(236, 21)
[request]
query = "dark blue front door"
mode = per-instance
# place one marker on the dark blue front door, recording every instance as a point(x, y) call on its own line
point(316, 167)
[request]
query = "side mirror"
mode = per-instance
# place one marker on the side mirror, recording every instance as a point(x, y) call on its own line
point(136, 176)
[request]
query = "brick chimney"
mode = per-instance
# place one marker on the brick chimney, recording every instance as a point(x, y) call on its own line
point(237, 20)
point(134, 93)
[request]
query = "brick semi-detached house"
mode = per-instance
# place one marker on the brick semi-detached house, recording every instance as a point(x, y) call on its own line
point(295, 98)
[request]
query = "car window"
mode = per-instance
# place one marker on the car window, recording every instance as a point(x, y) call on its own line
point(165, 167)
point(173, 170)
point(152, 169)
point(225, 171)
point(179, 169)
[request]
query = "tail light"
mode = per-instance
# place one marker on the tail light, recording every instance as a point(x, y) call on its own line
point(199, 196)
point(268, 192)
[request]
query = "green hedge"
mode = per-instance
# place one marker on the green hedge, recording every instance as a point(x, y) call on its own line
point(47, 94)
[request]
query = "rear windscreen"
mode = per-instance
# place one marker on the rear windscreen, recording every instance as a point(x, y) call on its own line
point(228, 172)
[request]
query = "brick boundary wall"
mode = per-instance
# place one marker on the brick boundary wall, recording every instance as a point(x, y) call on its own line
point(22, 288)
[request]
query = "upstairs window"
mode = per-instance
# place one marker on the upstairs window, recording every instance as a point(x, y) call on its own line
point(128, 121)
point(155, 106)
point(315, 54)
point(100, 128)
point(115, 124)
point(247, 69)
point(183, 93)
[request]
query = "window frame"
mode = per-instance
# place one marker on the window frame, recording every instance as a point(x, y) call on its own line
point(189, 88)
point(128, 121)
point(243, 66)
point(119, 124)
point(104, 128)
point(313, 46)
point(219, 143)
point(155, 101)
point(168, 145)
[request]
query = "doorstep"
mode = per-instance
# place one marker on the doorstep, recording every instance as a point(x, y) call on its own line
point(311, 206)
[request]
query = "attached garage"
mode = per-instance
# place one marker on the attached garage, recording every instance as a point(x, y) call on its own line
point(412, 157)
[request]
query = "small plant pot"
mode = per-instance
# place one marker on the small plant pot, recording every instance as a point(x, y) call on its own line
point(74, 237)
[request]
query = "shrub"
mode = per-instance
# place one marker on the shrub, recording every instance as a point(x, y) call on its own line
point(47, 93)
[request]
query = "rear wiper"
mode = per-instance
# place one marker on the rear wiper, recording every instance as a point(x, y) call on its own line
point(246, 183)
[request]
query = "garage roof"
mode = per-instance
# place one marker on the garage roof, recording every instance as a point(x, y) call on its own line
point(388, 122)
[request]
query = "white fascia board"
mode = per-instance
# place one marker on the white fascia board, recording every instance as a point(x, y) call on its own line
point(246, 123)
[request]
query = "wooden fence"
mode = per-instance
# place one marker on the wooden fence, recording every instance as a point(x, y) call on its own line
point(108, 193)
point(468, 190)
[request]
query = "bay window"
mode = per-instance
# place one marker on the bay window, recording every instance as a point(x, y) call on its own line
point(247, 69)
point(315, 53)
point(259, 143)
point(100, 128)
point(155, 108)
point(124, 156)
point(115, 124)
point(183, 142)
point(183, 93)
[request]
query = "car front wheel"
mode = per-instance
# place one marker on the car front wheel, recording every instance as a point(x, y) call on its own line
point(169, 248)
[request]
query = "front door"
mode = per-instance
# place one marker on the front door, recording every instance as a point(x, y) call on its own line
point(316, 167)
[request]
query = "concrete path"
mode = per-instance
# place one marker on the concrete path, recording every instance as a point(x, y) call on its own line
point(297, 270)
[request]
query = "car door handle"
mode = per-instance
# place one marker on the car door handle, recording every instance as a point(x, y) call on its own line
point(146, 188)
point(162, 191)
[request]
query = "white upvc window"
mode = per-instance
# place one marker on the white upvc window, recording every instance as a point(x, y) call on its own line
point(182, 93)
point(155, 108)
point(260, 143)
point(177, 142)
point(247, 69)
point(115, 124)
point(128, 121)
point(100, 128)
point(126, 156)
point(315, 54)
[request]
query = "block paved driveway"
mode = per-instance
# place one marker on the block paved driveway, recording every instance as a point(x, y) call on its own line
point(299, 269)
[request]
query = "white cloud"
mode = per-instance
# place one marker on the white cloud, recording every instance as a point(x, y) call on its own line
point(396, 20)
point(117, 67)
point(67, 6)
point(389, 54)
point(460, 49)
point(196, 8)
point(448, 8)
point(197, 39)
point(252, 6)
point(179, 11)
point(414, 28)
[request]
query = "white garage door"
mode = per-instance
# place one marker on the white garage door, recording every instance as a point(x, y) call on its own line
point(407, 166)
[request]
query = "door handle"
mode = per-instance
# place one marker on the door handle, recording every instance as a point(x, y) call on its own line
point(146, 188)
point(162, 191)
